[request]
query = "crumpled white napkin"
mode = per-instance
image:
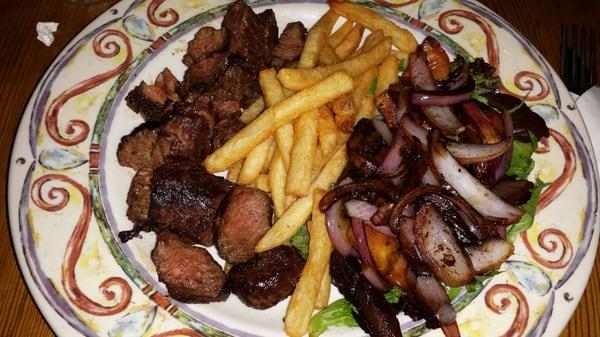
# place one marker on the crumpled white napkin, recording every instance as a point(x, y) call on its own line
point(589, 106)
point(45, 32)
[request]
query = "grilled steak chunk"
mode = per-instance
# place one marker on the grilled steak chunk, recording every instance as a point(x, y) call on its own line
point(183, 137)
point(246, 219)
point(135, 149)
point(224, 130)
point(267, 278)
point(189, 272)
point(204, 73)
point(206, 41)
point(153, 101)
point(138, 198)
point(290, 45)
point(185, 199)
point(168, 83)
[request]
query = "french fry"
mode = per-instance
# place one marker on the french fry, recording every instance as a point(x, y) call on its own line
point(328, 56)
point(262, 183)
point(304, 298)
point(286, 226)
point(298, 79)
point(327, 132)
point(234, 171)
point(298, 212)
point(289, 200)
point(350, 42)
point(362, 83)
point(285, 141)
point(253, 110)
point(271, 153)
point(343, 105)
point(388, 74)
point(254, 162)
point(400, 56)
point(338, 36)
point(316, 39)
point(273, 118)
point(324, 290)
point(367, 110)
point(303, 154)
point(277, 177)
point(401, 38)
point(372, 40)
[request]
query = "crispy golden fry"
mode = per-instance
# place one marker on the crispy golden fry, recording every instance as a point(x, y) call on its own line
point(298, 79)
point(372, 40)
point(327, 132)
point(254, 162)
point(303, 154)
point(253, 110)
point(289, 200)
point(273, 118)
point(400, 56)
point(401, 38)
point(388, 74)
point(343, 105)
point(285, 142)
point(317, 164)
point(271, 153)
point(299, 211)
point(328, 56)
point(262, 183)
point(367, 110)
point(234, 171)
point(350, 42)
point(324, 290)
point(285, 227)
point(277, 177)
point(316, 39)
point(338, 36)
point(302, 303)
point(362, 83)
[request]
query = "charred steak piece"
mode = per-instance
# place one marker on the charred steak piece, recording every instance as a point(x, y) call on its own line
point(185, 199)
point(290, 45)
point(152, 101)
point(135, 149)
point(138, 197)
point(204, 73)
point(190, 273)
point(169, 83)
point(225, 130)
point(206, 41)
point(267, 278)
point(183, 137)
point(246, 219)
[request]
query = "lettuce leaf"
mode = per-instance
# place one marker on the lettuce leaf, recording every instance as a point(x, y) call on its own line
point(521, 162)
point(300, 241)
point(338, 313)
point(394, 295)
point(526, 220)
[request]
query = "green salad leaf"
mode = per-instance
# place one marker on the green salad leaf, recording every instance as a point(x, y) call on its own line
point(521, 162)
point(338, 313)
point(526, 220)
point(394, 295)
point(300, 241)
point(478, 283)
point(402, 65)
point(373, 86)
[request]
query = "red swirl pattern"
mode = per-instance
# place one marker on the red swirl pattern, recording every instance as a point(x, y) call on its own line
point(545, 148)
point(78, 129)
point(393, 5)
point(58, 198)
point(165, 18)
point(548, 241)
point(523, 80)
point(560, 183)
point(179, 332)
point(517, 328)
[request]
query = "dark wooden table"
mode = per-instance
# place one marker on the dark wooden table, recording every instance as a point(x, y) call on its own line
point(23, 60)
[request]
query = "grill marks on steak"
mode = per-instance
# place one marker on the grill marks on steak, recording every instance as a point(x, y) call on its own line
point(267, 278)
point(247, 217)
point(185, 199)
point(190, 273)
point(290, 45)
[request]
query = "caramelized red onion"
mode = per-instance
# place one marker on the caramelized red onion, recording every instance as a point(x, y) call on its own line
point(429, 292)
point(360, 209)
point(430, 98)
point(369, 269)
point(489, 255)
point(336, 233)
point(355, 189)
point(439, 249)
point(444, 119)
point(504, 162)
point(468, 153)
point(411, 128)
point(393, 160)
point(474, 192)
point(419, 72)
point(383, 130)
point(373, 276)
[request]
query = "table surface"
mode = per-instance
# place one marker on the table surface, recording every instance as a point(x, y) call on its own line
point(25, 59)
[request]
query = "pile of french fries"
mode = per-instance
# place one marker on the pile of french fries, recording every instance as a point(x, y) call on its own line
point(294, 144)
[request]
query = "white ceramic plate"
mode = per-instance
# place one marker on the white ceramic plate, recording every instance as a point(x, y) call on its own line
point(67, 192)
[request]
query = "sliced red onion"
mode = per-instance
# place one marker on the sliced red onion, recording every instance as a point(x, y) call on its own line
point(419, 72)
point(383, 130)
point(444, 119)
point(462, 78)
point(468, 153)
point(487, 131)
point(336, 234)
point(427, 98)
point(385, 230)
point(489, 255)
point(451, 329)
point(406, 238)
point(409, 197)
point(346, 181)
point(361, 242)
point(393, 159)
point(411, 128)
point(476, 194)
point(500, 170)
point(429, 178)
point(383, 214)
point(439, 249)
point(430, 293)
point(360, 209)
point(374, 278)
